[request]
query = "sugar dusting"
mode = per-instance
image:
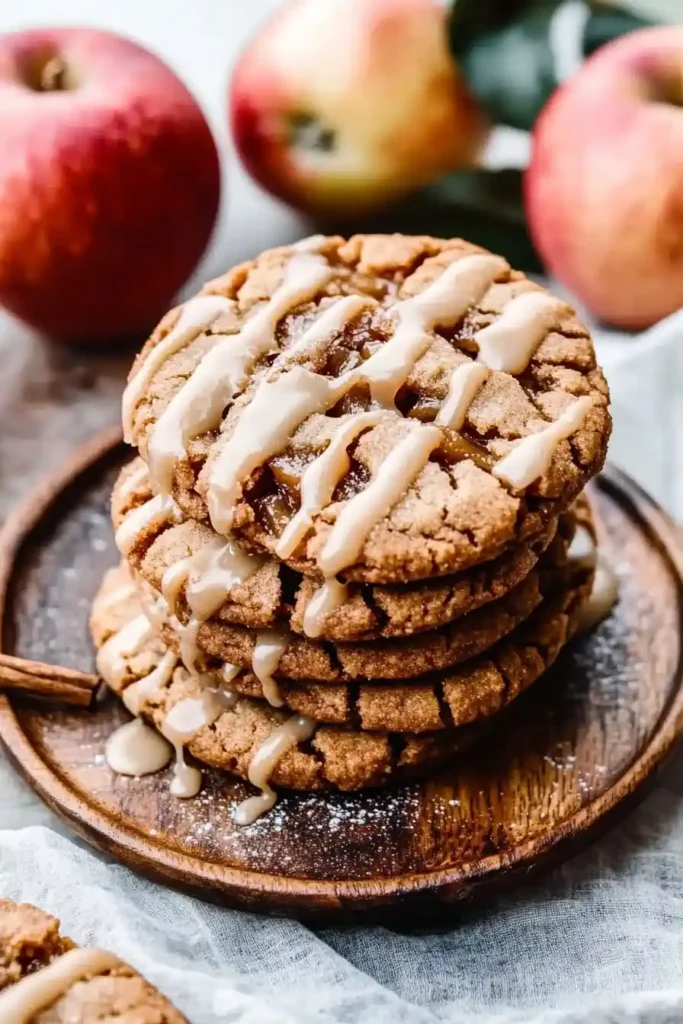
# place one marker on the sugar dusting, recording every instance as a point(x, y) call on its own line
point(338, 831)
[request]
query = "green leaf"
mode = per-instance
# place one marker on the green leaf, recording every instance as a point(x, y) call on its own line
point(604, 25)
point(471, 19)
point(504, 50)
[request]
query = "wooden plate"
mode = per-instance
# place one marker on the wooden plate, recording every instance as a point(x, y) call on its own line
point(570, 752)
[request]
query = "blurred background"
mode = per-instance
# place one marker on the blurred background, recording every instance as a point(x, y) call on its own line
point(550, 131)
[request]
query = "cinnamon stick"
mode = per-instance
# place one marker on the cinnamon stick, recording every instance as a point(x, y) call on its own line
point(49, 682)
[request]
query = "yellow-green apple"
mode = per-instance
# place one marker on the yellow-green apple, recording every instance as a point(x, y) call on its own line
point(109, 183)
point(341, 106)
point(604, 190)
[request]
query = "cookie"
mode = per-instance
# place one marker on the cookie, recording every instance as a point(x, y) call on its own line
point(332, 758)
point(29, 940)
point(299, 658)
point(434, 703)
point(383, 659)
point(389, 407)
point(92, 986)
point(275, 596)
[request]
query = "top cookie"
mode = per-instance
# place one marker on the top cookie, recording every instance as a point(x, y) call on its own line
point(386, 408)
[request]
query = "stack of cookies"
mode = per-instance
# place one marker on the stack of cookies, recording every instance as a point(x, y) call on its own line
point(355, 529)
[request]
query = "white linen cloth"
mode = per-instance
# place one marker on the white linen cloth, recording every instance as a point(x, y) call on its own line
point(597, 940)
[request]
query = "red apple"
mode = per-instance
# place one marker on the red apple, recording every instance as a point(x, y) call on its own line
point(109, 183)
point(341, 106)
point(604, 190)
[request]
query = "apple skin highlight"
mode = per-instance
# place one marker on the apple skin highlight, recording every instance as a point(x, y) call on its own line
point(604, 190)
point(340, 107)
point(109, 183)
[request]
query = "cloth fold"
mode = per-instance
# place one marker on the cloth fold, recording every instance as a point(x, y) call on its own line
point(598, 939)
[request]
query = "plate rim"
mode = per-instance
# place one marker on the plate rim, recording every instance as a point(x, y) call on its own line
point(244, 887)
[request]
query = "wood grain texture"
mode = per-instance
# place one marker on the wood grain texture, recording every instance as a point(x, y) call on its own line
point(566, 760)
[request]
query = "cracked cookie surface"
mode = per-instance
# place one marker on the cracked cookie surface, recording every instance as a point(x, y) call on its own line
point(455, 510)
point(276, 596)
point(401, 658)
point(431, 705)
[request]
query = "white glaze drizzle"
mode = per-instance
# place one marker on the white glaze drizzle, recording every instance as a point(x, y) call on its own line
point(153, 605)
point(141, 690)
point(270, 645)
point(326, 327)
point(200, 403)
point(360, 513)
point(20, 1003)
point(216, 569)
point(602, 598)
point(465, 381)
point(320, 478)
point(510, 342)
point(211, 573)
point(157, 510)
point(136, 749)
point(443, 303)
point(389, 367)
point(295, 730)
point(327, 598)
point(138, 478)
point(583, 553)
point(275, 411)
point(583, 550)
point(172, 583)
point(229, 672)
point(190, 655)
point(196, 316)
point(187, 779)
point(183, 721)
point(531, 456)
point(112, 655)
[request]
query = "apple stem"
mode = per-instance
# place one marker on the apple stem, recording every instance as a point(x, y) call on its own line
point(307, 132)
point(54, 75)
